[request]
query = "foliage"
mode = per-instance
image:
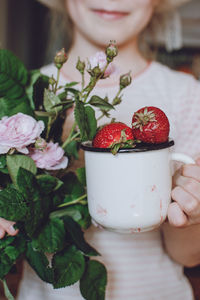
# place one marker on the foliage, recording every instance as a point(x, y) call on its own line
point(49, 207)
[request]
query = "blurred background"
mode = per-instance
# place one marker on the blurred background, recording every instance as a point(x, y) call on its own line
point(24, 28)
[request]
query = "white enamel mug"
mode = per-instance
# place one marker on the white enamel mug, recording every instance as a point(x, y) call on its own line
point(130, 192)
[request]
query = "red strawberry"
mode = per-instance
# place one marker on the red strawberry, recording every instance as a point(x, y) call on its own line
point(114, 135)
point(150, 125)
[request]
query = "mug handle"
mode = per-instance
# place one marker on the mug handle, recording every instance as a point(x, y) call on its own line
point(182, 158)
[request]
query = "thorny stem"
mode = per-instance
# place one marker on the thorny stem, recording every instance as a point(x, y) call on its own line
point(75, 201)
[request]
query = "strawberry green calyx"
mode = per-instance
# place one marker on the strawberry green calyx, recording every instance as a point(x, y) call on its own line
point(122, 143)
point(143, 118)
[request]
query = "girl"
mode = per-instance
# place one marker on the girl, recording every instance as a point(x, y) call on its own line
point(145, 266)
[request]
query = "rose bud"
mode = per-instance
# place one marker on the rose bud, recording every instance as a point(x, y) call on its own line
point(60, 58)
point(111, 51)
point(125, 80)
point(80, 66)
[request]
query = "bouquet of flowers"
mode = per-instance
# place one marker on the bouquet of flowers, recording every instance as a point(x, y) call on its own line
point(38, 190)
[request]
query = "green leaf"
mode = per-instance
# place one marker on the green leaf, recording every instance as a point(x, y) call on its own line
point(80, 172)
point(39, 262)
point(73, 83)
point(10, 253)
point(100, 103)
point(76, 234)
point(50, 99)
point(48, 183)
point(38, 204)
point(34, 76)
point(3, 166)
point(11, 107)
point(81, 119)
point(16, 161)
point(91, 122)
point(68, 267)
point(85, 220)
point(7, 240)
point(72, 186)
point(68, 211)
point(13, 205)
point(13, 79)
point(13, 75)
point(93, 282)
point(51, 237)
point(72, 149)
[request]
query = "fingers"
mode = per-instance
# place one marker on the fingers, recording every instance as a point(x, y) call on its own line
point(190, 185)
point(189, 204)
point(191, 171)
point(176, 216)
point(7, 227)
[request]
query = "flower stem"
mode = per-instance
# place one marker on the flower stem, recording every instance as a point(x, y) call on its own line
point(7, 292)
point(75, 201)
point(57, 80)
point(70, 136)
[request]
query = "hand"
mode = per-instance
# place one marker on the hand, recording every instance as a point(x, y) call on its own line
point(185, 210)
point(7, 227)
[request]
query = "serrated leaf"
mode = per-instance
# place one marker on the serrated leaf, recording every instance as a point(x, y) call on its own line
point(10, 253)
point(10, 107)
point(76, 234)
point(93, 282)
point(48, 183)
point(100, 103)
point(13, 79)
point(38, 204)
point(13, 74)
point(39, 262)
point(50, 99)
point(68, 267)
point(81, 119)
point(16, 161)
point(91, 122)
point(51, 237)
point(12, 205)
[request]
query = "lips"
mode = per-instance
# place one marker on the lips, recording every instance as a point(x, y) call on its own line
point(110, 15)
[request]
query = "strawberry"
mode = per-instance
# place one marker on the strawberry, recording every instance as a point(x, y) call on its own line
point(114, 135)
point(150, 125)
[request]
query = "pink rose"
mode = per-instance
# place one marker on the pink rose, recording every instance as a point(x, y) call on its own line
point(50, 157)
point(19, 131)
point(99, 59)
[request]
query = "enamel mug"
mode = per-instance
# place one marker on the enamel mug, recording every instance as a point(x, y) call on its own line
point(130, 192)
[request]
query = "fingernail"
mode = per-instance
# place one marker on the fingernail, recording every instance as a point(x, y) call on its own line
point(12, 229)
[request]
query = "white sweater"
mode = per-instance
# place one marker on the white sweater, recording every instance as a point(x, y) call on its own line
point(138, 266)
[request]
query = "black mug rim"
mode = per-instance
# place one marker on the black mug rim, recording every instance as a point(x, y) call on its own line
point(140, 147)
